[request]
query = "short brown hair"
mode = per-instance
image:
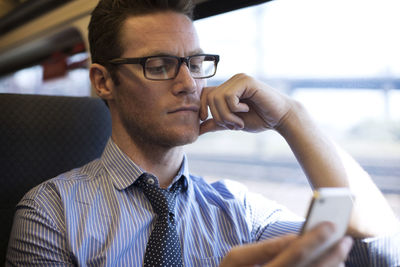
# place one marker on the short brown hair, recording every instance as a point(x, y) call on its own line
point(107, 19)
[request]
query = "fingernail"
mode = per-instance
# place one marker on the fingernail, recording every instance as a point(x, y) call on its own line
point(347, 243)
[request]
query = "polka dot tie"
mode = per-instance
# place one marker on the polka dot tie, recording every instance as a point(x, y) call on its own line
point(163, 247)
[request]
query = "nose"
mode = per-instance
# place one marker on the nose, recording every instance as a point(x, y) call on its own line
point(184, 83)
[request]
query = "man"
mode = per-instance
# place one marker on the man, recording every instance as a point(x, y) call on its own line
point(149, 68)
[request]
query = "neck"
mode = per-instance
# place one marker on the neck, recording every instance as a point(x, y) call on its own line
point(163, 162)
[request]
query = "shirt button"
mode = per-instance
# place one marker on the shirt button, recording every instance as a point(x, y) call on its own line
point(150, 181)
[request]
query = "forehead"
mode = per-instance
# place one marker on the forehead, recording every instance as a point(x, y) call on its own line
point(163, 32)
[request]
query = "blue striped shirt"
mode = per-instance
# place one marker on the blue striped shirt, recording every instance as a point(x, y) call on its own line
point(95, 216)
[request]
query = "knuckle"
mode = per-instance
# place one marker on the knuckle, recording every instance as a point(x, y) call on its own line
point(244, 76)
point(231, 100)
point(226, 95)
point(241, 75)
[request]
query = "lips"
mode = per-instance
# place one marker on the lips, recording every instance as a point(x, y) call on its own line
point(185, 108)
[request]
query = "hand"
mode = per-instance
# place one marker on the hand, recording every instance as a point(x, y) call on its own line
point(242, 103)
point(290, 251)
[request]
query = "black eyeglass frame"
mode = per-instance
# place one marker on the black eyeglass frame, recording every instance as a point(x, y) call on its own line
point(142, 61)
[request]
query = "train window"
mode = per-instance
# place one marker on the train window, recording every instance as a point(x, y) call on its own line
point(340, 58)
point(60, 74)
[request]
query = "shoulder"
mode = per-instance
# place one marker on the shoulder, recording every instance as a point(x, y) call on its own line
point(52, 189)
point(228, 190)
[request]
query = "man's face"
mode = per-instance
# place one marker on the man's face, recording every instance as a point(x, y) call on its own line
point(164, 113)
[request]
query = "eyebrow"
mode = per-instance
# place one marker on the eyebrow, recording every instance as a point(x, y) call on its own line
point(164, 53)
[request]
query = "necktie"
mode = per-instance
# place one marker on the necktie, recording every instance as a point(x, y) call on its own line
point(163, 247)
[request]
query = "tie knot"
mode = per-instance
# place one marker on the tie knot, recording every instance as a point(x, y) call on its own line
point(162, 200)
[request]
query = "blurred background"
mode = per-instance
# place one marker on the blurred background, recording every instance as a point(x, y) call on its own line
point(340, 58)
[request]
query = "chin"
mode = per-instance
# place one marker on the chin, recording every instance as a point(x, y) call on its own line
point(187, 138)
point(183, 137)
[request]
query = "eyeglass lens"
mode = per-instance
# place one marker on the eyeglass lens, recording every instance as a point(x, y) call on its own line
point(167, 67)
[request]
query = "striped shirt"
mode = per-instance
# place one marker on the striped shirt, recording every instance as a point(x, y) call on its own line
point(96, 216)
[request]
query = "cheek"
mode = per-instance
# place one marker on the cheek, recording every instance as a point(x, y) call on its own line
point(135, 94)
point(201, 83)
point(140, 105)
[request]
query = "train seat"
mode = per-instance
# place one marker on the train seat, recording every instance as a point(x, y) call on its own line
point(41, 137)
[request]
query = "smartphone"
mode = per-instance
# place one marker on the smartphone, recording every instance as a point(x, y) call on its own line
point(332, 204)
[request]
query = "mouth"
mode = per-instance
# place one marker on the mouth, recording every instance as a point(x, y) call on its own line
point(194, 109)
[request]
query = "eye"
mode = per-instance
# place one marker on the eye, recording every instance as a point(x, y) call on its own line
point(156, 70)
point(196, 64)
point(195, 68)
point(160, 65)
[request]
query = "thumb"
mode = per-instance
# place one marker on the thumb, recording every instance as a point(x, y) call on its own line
point(210, 126)
point(257, 253)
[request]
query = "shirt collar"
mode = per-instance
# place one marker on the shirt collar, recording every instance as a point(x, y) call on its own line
point(184, 173)
point(124, 172)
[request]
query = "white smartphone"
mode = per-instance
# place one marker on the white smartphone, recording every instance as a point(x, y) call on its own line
point(332, 204)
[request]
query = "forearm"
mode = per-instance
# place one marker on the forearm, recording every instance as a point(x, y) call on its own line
point(244, 103)
point(314, 151)
point(328, 166)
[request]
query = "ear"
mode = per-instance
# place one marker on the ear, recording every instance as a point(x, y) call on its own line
point(101, 81)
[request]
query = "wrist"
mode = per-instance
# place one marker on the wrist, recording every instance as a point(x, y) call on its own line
point(295, 119)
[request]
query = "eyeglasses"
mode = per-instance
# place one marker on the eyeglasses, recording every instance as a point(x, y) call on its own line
point(160, 68)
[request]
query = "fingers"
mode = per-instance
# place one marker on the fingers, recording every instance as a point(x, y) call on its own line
point(210, 126)
point(234, 104)
point(223, 107)
point(256, 253)
point(302, 251)
point(243, 103)
point(291, 251)
point(224, 103)
point(337, 255)
point(203, 102)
